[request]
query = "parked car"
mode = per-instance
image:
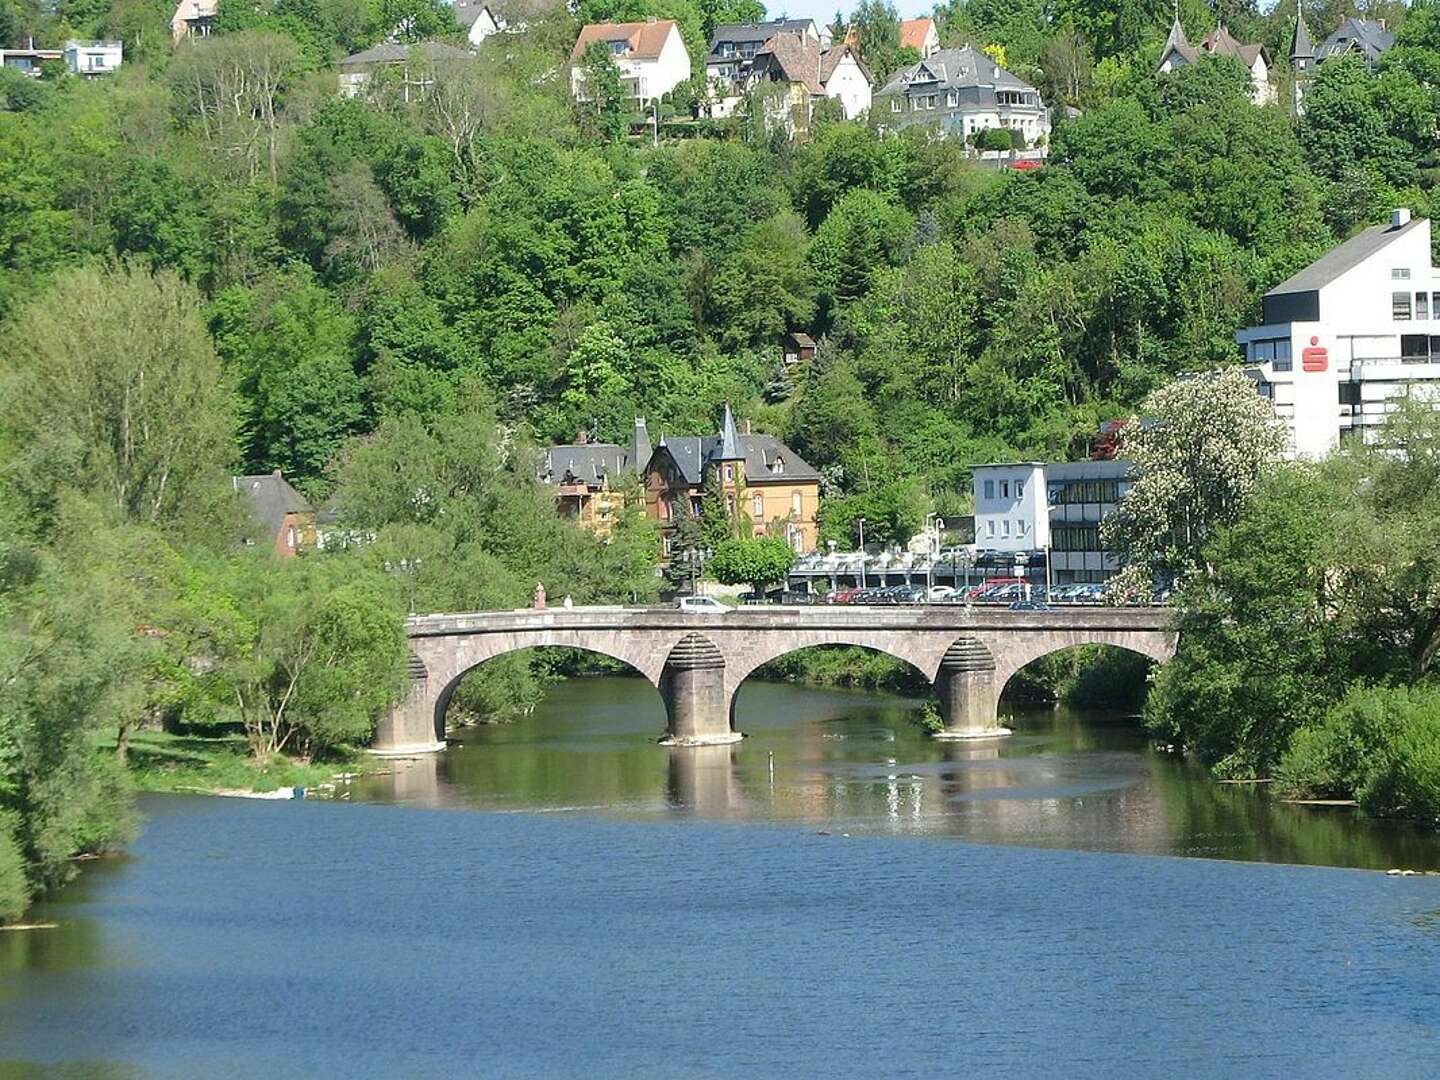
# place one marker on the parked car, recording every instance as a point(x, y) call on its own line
point(842, 596)
point(908, 594)
point(939, 594)
point(792, 599)
point(702, 605)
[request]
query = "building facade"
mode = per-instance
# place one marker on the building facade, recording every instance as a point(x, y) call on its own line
point(1366, 39)
point(1178, 52)
point(194, 18)
point(731, 59)
point(651, 57)
point(920, 35)
point(593, 481)
point(961, 92)
point(287, 520)
point(1349, 335)
point(764, 482)
point(1046, 517)
point(93, 58)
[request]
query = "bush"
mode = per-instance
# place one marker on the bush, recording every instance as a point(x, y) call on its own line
point(14, 889)
point(1378, 745)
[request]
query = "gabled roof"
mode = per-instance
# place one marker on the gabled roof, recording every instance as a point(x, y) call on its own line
point(392, 53)
point(1219, 42)
point(792, 58)
point(955, 69)
point(738, 33)
point(643, 40)
point(913, 33)
point(1346, 257)
point(830, 60)
point(691, 453)
point(1365, 36)
point(273, 498)
point(466, 14)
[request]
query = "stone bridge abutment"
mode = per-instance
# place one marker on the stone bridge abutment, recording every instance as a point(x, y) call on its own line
point(698, 662)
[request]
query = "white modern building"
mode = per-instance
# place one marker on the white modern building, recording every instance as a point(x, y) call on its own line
point(1033, 514)
point(651, 57)
point(93, 58)
point(1349, 335)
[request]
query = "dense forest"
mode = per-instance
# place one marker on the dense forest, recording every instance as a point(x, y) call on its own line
point(211, 263)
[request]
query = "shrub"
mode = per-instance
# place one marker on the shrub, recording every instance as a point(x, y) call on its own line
point(1378, 745)
point(14, 889)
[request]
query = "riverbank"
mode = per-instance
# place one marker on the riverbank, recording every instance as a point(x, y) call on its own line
point(222, 765)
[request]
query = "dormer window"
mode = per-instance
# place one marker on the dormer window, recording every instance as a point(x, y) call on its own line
point(777, 466)
point(894, 104)
point(617, 48)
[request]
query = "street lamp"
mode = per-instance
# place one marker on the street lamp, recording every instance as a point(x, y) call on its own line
point(862, 551)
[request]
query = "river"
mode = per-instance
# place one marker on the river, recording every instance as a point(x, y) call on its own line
point(560, 897)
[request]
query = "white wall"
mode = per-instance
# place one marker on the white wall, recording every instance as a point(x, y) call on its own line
point(849, 84)
point(484, 25)
point(1014, 515)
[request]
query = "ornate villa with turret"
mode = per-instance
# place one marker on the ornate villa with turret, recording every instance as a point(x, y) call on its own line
point(1178, 52)
point(765, 483)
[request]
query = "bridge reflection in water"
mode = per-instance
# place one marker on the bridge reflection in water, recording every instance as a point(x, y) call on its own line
point(699, 661)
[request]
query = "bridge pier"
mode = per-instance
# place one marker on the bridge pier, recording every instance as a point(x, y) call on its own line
point(693, 686)
point(969, 692)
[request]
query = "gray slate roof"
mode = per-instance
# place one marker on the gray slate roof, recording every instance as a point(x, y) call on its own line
point(1365, 37)
point(273, 498)
point(966, 68)
point(584, 463)
point(1341, 259)
point(692, 453)
point(758, 33)
point(1300, 46)
point(390, 52)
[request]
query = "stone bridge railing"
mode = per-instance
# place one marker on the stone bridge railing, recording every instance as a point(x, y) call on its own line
point(698, 661)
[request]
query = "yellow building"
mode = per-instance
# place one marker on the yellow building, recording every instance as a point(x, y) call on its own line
point(765, 482)
point(592, 480)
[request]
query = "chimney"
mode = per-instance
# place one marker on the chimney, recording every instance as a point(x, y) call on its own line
point(1399, 217)
point(276, 474)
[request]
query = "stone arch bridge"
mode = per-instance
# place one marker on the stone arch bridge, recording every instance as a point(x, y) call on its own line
point(698, 661)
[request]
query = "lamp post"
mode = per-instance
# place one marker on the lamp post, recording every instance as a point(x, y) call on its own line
point(862, 551)
point(407, 568)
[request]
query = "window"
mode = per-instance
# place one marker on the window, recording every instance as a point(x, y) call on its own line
point(664, 510)
point(894, 104)
point(729, 474)
point(1400, 273)
point(1415, 348)
point(1349, 393)
point(617, 48)
point(1004, 526)
point(1004, 489)
point(1400, 306)
point(1020, 527)
point(952, 99)
point(1019, 489)
point(989, 489)
point(1422, 305)
point(797, 505)
point(990, 528)
point(757, 506)
point(727, 48)
point(668, 544)
point(778, 466)
point(1273, 351)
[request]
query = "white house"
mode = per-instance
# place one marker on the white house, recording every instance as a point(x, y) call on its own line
point(1178, 52)
point(1349, 334)
point(194, 18)
point(920, 35)
point(478, 21)
point(91, 58)
point(1048, 513)
point(959, 92)
point(651, 57)
point(809, 73)
point(846, 78)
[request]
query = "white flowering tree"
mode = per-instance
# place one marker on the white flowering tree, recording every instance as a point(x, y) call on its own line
point(1198, 449)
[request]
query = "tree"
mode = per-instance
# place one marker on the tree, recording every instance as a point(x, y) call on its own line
point(717, 523)
point(1198, 448)
point(684, 565)
point(759, 561)
point(114, 388)
point(602, 106)
point(877, 30)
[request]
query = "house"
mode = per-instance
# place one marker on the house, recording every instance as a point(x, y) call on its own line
point(920, 35)
point(733, 48)
point(650, 55)
point(764, 481)
point(477, 20)
point(1348, 335)
point(1178, 52)
point(797, 63)
point(287, 517)
point(356, 71)
point(961, 92)
point(194, 18)
point(1365, 38)
point(797, 347)
point(587, 478)
point(1045, 518)
point(30, 61)
point(92, 58)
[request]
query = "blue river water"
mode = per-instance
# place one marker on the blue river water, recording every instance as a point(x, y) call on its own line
point(658, 933)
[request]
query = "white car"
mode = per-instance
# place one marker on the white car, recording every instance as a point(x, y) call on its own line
point(940, 593)
point(703, 605)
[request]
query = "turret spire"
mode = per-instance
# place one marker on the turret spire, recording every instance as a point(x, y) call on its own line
point(729, 438)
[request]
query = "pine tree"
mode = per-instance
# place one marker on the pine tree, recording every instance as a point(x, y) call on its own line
point(716, 524)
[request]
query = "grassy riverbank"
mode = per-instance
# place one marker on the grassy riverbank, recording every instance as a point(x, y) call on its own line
point(159, 761)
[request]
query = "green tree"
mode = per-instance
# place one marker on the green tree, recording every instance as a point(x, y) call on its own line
point(760, 561)
point(1198, 449)
point(602, 107)
point(877, 29)
point(717, 523)
point(113, 387)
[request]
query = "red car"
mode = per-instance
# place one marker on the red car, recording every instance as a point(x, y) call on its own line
point(842, 596)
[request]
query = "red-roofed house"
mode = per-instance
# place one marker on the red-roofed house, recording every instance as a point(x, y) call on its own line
point(920, 35)
point(650, 55)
